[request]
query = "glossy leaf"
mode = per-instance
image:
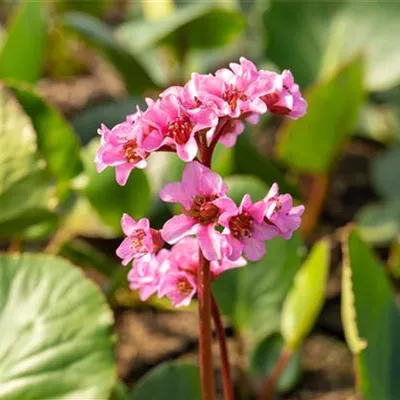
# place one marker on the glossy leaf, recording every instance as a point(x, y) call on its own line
point(87, 122)
point(264, 358)
point(317, 34)
point(194, 26)
point(23, 179)
point(252, 296)
point(59, 326)
point(108, 198)
point(304, 301)
point(379, 223)
point(170, 379)
point(385, 178)
point(249, 160)
point(297, 33)
point(99, 35)
point(23, 51)
point(56, 140)
point(311, 144)
point(371, 320)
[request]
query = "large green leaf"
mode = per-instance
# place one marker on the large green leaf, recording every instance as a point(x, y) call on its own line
point(100, 36)
point(177, 380)
point(312, 38)
point(385, 178)
point(22, 53)
point(56, 140)
point(56, 337)
point(371, 320)
point(248, 160)
point(297, 33)
point(252, 296)
point(305, 299)
point(379, 223)
point(108, 198)
point(23, 178)
point(198, 25)
point(312, 143)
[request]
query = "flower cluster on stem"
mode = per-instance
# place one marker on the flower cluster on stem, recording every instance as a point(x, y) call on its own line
point(212, 234)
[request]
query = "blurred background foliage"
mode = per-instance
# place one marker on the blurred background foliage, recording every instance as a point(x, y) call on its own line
point(66, 66)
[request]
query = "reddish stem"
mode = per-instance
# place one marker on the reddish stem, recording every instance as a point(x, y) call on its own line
point(205, 337)
point(219, 130)
point(270, 383)
point(223, 349)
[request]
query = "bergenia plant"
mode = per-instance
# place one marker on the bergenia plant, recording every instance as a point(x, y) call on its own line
point(212, 234)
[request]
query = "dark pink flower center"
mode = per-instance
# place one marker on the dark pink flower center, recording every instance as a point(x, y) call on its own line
point(130, 152)
point(270, 99)
point(241, 225)
point(183, 286)
point(232, 96)
point(203, 210)
point(180, 130)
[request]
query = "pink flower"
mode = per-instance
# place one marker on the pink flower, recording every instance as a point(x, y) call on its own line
point(179, 286)
point(245, 230)
point(121, 147)
point(141, 240)
point(225, 264)
point(231, 130)
point(173, 124)
point(282, 96)
point(146, 274)
point(197, 193)
point(281, 213)
point(234, 91)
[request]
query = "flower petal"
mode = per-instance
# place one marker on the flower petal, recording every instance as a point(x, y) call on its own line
point(254, 249)
point(209, 242)
point(178, 227)
point(174, 193)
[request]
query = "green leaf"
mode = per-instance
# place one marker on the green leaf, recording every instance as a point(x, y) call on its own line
point(56, 140)
point(223, 160)
point(194, 26)
point(99, 35)
point(371, 320)
point(248, 160)
point(384, 173)
point(394, 258)
point(305, 299)
point(22, 54)
point(56, 331)
point(108, 198)
point(264, 358)
point(252, 296)
point(170, 379)
point(96, 8)
point(315, 49)
point(239, 185)
point(379, 223)
point(24, 182)
point(297, 33)
point(311, 144)
point(87, 122)
point(120, 392)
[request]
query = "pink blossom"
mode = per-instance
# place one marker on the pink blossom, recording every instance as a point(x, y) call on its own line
point(282, 96)
point(121, 147)
point(141, 240)
point(281, 213)
point(175, 125)
point(179, 286)
point(245, 230)
point(197, 193)
point(231, 131)
point(234, 91)
point(146, 274)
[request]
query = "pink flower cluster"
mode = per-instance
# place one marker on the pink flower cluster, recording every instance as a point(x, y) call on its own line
point(173, 122)
point(190, 120)
point(206, 208)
